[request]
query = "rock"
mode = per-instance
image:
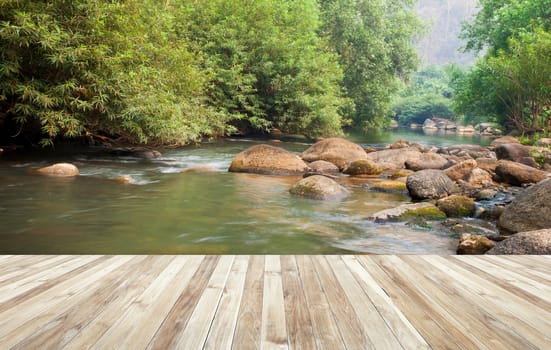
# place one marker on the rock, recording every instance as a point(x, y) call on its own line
point(400, 173)
point(425, 184)
point(469, 129)
point(517, 174)
point(321, 166)
point(544, 142)
point(530, 210)
point(504, 140)
point(269, 160)
point(394, 158)
point(338, 151)
point(60, 169)
point(529, 243)
point(127, 180)
point(429, 124)
point(487, 164)
point(318, 187)
point(474, 244)
point(486, 194)
point(461, 170)
point(415, 126)
point(515, 152)
point(388, 186)
point(456, 206)
point(137, 152)
point(479, 178)
point(407, 212)
point(363, 167)
point(200, 169)
point(399, 144)
point(472, 151)
point(426, 161)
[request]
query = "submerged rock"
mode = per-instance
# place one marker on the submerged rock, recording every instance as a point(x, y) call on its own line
point(268, 160)
point(319, 187)
point(531, 210)
point(405, 212)
point(60, 169)
point(335, 150)
point(429, 184)
point(531, 242)
point(199, 169)
point(390, 186)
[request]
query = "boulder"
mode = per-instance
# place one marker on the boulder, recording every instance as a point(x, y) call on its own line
point(323, 167)
point(530, 210)
point(338, 151)
point(426, 161)
point(390, 186)
point(474, 244)
point(318, 187)
point(529, 243)
point(363, 167)
point(429, 124)
point(270, 160)
point(515, 152)
point(461, 170)
point(479, 178)
point(487, 164)
point(429, 184)
point(406, 212)
point(504, 140)
point(394, 158)
point(456, 206)
point(517, 174)
point(60, 169)
point(399, 144)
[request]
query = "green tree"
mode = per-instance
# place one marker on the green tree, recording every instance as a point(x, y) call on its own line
point(373, 39)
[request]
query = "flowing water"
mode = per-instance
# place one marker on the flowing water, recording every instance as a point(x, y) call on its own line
point(169, 212)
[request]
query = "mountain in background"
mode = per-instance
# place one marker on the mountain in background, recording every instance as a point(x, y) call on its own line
point(441, 44)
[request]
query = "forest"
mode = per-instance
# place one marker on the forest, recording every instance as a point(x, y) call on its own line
point(177, 72)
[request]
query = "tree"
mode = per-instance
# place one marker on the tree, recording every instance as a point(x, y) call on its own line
point(373, 39)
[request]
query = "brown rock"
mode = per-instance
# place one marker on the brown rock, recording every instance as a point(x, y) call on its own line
point(318, 187)
point(487, 164)
point(363, 167)
point(479, 178)
point(474, 244)
point(399, 144)
point(461, 170)
point(394, 158)
point(199, 169)
point(456, 206)
point(503, 140)
point(270, 160)
point(517, 174)
point(60, 169)
point(338, 151)
point(515, 152)
point(321, 166)
point(529, 243)
point(426, 161)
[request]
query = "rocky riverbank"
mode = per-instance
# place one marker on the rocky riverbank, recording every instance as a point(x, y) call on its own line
point(506, 184)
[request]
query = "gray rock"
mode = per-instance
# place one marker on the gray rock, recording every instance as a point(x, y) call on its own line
point(429, 184)
point(531, 242)
point(530, 210)
point(318, 187)
point(429, 124)
point(338, 151)
point(269, 160)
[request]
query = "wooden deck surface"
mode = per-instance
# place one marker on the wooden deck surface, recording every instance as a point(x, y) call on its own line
point(275, 302)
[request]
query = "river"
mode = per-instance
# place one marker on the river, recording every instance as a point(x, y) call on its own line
point(169, 212)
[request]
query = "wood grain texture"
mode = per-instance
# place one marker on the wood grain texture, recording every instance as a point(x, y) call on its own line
point(275, 302)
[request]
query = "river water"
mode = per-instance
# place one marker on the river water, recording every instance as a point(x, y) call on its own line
point(169, 212)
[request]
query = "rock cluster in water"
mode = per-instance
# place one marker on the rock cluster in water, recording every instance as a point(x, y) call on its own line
point(495, 183)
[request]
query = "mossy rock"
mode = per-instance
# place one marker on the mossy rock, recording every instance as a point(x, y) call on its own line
point(426, 213)
point(389, 186)
point(363, 167)
point(456, 206)
point(414, 212)
point(401, 173)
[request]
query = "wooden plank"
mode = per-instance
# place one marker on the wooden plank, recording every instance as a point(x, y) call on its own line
point(20, 286)
point(223, 327)
point(274, 329)
point(474, 318)
point(14, 318)
point(55, 327)
point(195, 334)
point(404, 331)
point(247, 331)
point(324, 326)
point(180, 313)
point(104, 315)
point(12, 263)
point(33, 265)
point(433, 329)
point(142, 319)
point(377, 330)
point(297, 316)
point(497, 297)
point(343, 308)
point(530, 263)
